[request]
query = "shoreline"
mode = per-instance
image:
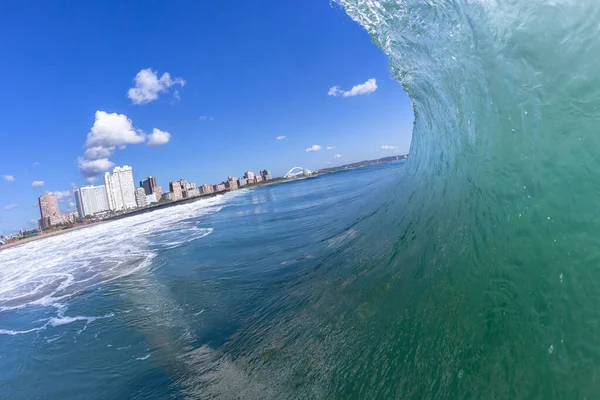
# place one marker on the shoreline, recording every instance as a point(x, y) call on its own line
point(162, 206)
point(128, 214)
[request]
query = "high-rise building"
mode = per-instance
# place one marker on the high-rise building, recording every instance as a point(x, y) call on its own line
point(175, 188)
point(48, 205)
point(91, 200)
point(206, 189)
point(191, 186)
point(140, 197)
point(183, 185)
point(120, 189)
point(151, 198)
point(158, 192)
point(249, 175)
point(150, 187)
point(266, 175)
point(231, 183)
point(50, 214)
point(195, 192)
point(242, 182)
point(219, 187)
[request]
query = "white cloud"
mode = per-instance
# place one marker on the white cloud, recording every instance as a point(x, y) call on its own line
point(330, 147)
point(63, 195)
point(205, 118)
point(35, 164)
point(109, 132)
point(90, 168)
point(334, 91)
point(176, 95)
point(72, 204)
point(91, 179)
point(387, 147)
point(9, 178)
point(94, 153)
point(327, 162)
point(158, 137)
point(112, 130)
point(280, 137)
point(314, 147)
point(11, 207)
point(148, 86)
point(33, 222)
point(364, 88)
point(37, 184)
point(337, 156)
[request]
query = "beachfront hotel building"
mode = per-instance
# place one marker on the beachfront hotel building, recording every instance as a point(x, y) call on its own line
point(151, 187)
point(140, 197)
point(266, 175)
point(175, 189)
point(206, 189)
point(249, 175)
point(120, 189)
point(91, 200)
point(50, 213)
point(231, 183)
point(48, 205)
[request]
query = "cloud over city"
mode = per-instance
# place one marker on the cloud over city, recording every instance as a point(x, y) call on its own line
point(280, 137)
point(158, 137)
point(364, 88)
point(148, 86)
point(9, 207)
point(9, 178)
point(63, 196)
point(389, 148)
point(330, 147)
point(337, 156)
point(37, 184)
point(112, 131)
point(314, 147)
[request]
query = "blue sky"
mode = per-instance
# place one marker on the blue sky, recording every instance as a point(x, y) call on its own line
point(240, 75)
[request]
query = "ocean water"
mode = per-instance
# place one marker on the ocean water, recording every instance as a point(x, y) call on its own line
point(245, 295)
point(472, 271)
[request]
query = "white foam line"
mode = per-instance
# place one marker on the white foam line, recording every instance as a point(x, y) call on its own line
point(55, 269)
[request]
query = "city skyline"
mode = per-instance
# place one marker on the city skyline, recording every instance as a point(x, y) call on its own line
point(120, 194)
point(184, 111)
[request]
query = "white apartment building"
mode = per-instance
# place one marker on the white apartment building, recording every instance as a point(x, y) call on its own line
point(120, 188)
point(91, 200)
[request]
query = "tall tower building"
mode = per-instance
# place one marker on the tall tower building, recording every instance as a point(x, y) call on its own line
point(175, 188)
point(91, 200)
point(48, 205)
point(120, 189)
point(150, 187)
point(140, 197)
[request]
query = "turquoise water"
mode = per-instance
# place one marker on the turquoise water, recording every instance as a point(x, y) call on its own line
point(242, 295)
